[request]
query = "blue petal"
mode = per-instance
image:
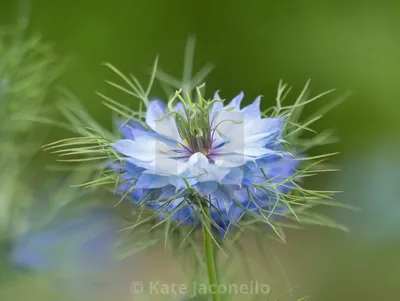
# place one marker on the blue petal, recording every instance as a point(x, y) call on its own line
point(179, 107)
point(147, 181)
point(216, 95)
point(216, 107)
point(137, 194)
point(160, 123)
point(247, 176)
point(206, 188)
point(225, 219)
point(185, 215)
point(131, 171)
point(234, 177)
point(131, 129)
point(236, 101)
point(281, 171)
point(267, 161)
point(253, 110)
point(269, 130)
point(128, 148)
point(223, 194)
point(155, 111)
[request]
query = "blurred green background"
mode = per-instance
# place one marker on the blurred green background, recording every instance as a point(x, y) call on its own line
point(348, 45)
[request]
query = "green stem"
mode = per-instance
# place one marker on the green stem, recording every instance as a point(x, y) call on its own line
point(210, 259)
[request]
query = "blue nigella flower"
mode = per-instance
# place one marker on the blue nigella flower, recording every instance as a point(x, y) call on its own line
point(220, 152)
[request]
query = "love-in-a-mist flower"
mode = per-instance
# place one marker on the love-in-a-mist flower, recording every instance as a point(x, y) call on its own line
point(207, 149)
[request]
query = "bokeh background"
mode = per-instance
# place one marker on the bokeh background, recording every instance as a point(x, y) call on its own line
point(348, 45)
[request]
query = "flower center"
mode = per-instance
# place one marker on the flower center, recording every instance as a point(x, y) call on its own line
point(195, 132)
point(200, 142)
point(193, 123)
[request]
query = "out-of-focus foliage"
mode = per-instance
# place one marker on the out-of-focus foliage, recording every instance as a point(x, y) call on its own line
point(27, 69)
point(55, 242)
